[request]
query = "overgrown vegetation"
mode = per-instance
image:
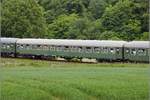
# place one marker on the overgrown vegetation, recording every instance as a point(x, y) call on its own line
point(76, 19)
point(46, 80)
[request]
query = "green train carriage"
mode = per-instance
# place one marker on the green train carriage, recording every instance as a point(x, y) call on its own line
point(94, 49)
point(8, 46)
point(137, 51)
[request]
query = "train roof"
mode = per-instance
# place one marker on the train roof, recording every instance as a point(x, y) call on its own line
point(138, 44)
point(70, 42)
point(8, 40)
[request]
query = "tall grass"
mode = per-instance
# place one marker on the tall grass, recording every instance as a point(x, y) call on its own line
point(45, 80)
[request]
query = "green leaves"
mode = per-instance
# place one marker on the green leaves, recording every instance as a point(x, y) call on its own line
point(23, 18)
point(122, 18)
point(60, 26)
point(75, 19)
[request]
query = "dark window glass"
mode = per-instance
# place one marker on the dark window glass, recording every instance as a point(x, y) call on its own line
point(97, 49)
point(88, 49)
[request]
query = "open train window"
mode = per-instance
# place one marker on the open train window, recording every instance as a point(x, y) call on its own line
point(66, 48)
point(133, 51)
point(11, 45)
point(8, 46)
point(20, 47)
point(79, 49)
point(112, 50)
point(127, 50)
point(117, 50)
point(39, 47)
point(27, 46)
point(141, 52)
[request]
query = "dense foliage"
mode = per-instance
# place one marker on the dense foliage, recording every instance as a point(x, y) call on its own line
point(76, 19)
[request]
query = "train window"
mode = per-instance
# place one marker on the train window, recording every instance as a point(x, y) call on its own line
point(88, 49)
point(127, 50)
point(27, 46)
point(4, 46)
point(141, 52)
point(45, 47)
point(11, 45)
point(117, 50)
point(74, 49)
point(97, 49)
point(59, 48)
point(8, 46)
point(52, 48)
point(133, 52)
point(66, 48)
point(112, 50)
point(62, 48)
point(105, 50)
point(79, 49)
point(39, 47)
point(20, 47)
point(34, 46)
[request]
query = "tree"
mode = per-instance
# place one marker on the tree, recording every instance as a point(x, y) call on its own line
point(85, 29)
point(124, 19)
point(131, 30)
point(141, 12)
point(76, 19)
point(60, 26)
point(53, 9)
point(74, 6)
point(23, 18)
point(145, 36)
point(109, 35)
point(96, 8)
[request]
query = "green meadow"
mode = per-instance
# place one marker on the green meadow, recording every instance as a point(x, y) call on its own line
point(23, 79)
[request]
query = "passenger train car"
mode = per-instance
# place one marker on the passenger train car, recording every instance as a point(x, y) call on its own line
point(8, 46)
point(100, 50)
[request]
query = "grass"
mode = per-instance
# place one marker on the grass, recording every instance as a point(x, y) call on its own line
point(47, 80)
